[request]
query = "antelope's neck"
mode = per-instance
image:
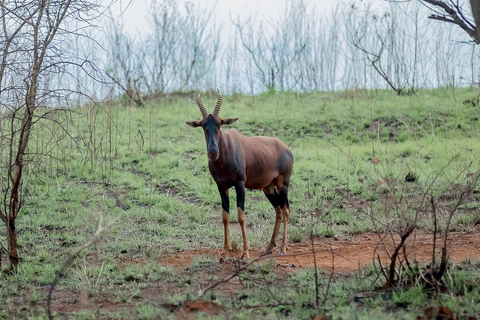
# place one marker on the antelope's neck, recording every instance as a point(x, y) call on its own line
point(227, 170)
point(223, 148)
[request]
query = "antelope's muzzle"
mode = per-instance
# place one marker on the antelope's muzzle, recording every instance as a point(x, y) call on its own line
point(213, 155)
point(212, 150)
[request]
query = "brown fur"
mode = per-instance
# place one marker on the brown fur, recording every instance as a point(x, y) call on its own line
point(248, 162)
point(259, 160)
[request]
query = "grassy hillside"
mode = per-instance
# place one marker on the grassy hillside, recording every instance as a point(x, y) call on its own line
point(145, 166)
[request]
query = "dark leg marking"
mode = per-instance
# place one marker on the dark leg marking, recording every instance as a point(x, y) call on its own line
point(274, 199)
point(225, 199)
point(225, 220)
point(240, 189)
point(285, 208)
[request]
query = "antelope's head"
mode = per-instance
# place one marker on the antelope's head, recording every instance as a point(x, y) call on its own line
point(211, 124)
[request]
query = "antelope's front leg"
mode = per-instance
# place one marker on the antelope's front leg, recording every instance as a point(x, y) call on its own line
point(225, 219)
point(240, 189)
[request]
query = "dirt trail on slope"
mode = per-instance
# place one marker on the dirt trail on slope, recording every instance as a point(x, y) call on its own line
point(349, 253)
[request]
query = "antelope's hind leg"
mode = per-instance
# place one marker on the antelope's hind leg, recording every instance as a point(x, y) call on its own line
point(285, 208)
point(272, 196)
point(285, 163)
point(277, 194)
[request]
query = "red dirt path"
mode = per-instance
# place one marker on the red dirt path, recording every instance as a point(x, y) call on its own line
point(353, 252)
point(349, 253)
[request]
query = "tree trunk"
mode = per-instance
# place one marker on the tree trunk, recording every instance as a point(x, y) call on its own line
point(12, 244)
point(14, 205)
point(475, 4)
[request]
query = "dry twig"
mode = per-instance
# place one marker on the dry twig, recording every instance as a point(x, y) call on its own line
point(74, 254)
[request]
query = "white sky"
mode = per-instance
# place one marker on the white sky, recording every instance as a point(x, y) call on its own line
point(136, 11)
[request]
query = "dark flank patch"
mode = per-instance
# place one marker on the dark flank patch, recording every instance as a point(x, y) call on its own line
point(273, 198)
point(238, 158)
point(285, 161)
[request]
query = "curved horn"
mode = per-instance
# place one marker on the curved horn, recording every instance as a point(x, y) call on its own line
point(200, 105)
point(218, 105)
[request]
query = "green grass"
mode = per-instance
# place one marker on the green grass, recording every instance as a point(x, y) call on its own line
point(344, 143)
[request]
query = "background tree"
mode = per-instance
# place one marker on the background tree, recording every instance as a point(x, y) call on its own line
point(274, 48)
point(37, 56)
point(178, 51)
point(124, 65)
point(186, 46)
point(453, 12)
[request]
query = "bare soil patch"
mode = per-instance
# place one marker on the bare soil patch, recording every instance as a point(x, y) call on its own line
point(344, 254)
point(190, 309)
point(350, 253)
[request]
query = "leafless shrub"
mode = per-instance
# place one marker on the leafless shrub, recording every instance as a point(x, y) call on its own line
point(403, 210)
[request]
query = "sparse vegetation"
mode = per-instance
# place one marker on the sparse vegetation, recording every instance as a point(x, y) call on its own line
point(346, 146)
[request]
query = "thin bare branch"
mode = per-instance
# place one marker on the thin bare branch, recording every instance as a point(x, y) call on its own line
point(454, 14)
point(74, 254)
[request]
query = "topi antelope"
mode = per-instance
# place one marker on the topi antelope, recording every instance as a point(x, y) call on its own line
point(235, 160)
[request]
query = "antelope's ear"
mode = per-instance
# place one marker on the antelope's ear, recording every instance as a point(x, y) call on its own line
point(228, 121)
point(194, 124)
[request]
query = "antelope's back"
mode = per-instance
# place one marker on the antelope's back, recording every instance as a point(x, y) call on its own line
point(265, 159)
